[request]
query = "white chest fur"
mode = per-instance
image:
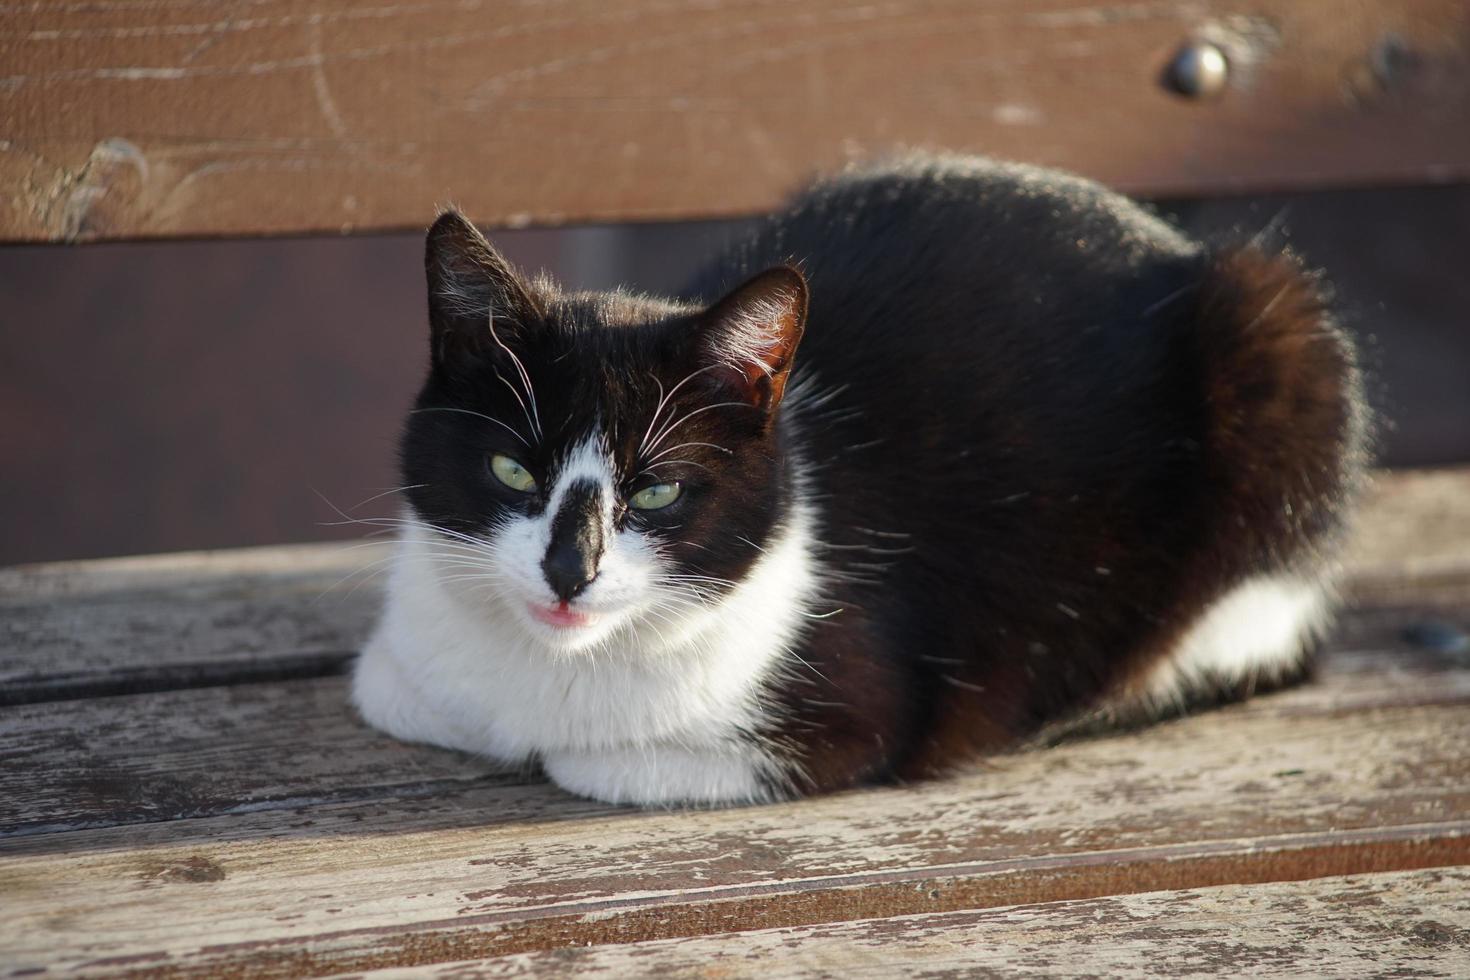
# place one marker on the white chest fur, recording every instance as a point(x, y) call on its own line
point(653, 715)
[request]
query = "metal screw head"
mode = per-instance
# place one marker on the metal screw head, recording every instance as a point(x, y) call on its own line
point(1199, 70)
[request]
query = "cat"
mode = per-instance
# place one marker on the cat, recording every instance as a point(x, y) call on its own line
point(949, 453)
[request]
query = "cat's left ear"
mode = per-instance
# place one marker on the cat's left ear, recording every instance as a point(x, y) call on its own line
point(753, 333)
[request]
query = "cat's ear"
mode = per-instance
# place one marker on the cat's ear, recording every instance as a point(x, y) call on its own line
point(752, 334)
point(477, 300)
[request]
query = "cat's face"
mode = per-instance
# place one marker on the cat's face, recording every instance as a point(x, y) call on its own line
point(597, 468)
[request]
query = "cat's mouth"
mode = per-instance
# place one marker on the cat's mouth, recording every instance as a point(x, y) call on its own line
point(561, 615)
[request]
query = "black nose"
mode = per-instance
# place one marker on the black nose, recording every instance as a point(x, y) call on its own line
point(576, 541)
point(568, 570)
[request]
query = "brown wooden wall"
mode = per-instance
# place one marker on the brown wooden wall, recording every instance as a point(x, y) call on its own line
point(157, 118)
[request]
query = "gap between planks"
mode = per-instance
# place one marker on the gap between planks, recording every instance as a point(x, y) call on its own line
point(196, 753)
point(1253, 793)
point(163, 622)
point(435, 856)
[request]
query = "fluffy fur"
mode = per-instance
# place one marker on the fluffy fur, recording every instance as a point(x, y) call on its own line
point(958, 451)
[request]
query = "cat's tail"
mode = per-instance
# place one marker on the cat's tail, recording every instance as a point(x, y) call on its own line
point(1283, 455)
point(1286, 429)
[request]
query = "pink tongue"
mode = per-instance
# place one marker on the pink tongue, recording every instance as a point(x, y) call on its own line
point(560, 615)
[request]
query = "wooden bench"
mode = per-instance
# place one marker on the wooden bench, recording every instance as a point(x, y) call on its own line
point(184, 789)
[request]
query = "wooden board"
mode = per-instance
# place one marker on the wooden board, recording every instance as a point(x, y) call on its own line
point(358, 869)
point(76, 629)
point(256, 826)
point(190, 753)
point(202, 752)
point(1412, 542)
point(87, 629)
point(156, 118)
point(1412, 924)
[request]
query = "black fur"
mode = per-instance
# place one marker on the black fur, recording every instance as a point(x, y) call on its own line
point(576, 542)
point(1042, 431)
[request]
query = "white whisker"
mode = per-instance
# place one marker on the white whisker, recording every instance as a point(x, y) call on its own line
point(525, 379)
point(664, 432)
point(664, 400)
point(671, 462)
point(478, 415)
point(683, 445)
point(379, 496)
point(519, 401)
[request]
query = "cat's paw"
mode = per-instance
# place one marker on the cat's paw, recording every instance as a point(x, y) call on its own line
point(387, 701)
point(665, 775)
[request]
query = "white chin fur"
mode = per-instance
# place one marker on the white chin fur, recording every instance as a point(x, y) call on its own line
point(1259, 632)
point(649, 711)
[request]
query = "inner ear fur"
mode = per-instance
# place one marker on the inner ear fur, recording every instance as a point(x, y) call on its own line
point(752, 334)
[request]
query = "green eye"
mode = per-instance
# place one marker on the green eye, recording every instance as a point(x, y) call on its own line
point(512, 474)
point(656, 497)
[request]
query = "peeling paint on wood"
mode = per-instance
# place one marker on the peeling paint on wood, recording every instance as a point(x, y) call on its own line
point(478, 870)
point(260, 828)
point(1404, 924)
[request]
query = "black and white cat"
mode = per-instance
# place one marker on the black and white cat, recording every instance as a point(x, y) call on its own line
point(974, 450)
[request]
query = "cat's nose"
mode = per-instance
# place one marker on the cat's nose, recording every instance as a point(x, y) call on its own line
point(576, 545)
point(568, 571)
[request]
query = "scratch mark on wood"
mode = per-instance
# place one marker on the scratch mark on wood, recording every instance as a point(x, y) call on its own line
point(328, 106)
point(234, 25)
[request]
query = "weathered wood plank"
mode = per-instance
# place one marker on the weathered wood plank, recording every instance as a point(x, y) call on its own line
point(1414, 923)
point(81, 581)
point(168, 756)
point(193, 753)
point(73, 629)
point(86, 629)
point(330, 115)
point(1250, 793)
point(1413, 542)
point(261, 827)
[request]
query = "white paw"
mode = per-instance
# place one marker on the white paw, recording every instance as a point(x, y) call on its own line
point(388, 702)
point(661, 774)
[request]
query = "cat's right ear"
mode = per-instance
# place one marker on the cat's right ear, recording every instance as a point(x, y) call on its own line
point(477, 300)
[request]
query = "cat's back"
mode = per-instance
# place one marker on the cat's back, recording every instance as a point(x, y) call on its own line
point(931, 205)
point(964, 285)
point(943, 251)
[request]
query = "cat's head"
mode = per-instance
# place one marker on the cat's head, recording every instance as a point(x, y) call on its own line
point(597, 467)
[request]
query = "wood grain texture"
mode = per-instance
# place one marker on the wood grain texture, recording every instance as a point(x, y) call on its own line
point(1414, 923)
point(196, 753)
point(161, 119)
point(1297, 785)
point(73, 629)
point(260, 828)
point(79, 629)
point(1412, 542)
point(179, 754)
